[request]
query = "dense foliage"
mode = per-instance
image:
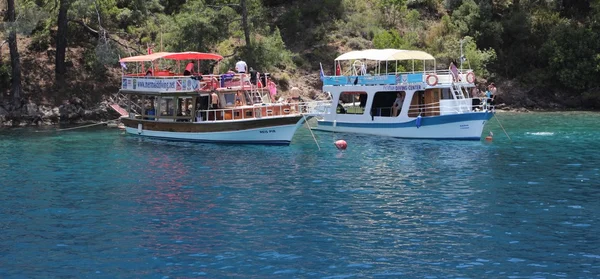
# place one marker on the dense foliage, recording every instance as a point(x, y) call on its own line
point(549, 48)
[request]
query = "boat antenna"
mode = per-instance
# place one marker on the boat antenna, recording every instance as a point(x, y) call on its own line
point(161, 41)
point(462, 57)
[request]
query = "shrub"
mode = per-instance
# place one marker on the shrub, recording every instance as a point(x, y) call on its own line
point(283, 81)
point(268, 53)
point(40, 41)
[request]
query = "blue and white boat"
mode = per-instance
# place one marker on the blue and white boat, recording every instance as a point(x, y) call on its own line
point(432, 104)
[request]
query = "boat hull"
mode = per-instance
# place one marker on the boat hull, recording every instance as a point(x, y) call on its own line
point(467, 126)
point(274, 131)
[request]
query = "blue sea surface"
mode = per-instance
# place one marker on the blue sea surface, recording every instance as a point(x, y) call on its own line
point(96, 203)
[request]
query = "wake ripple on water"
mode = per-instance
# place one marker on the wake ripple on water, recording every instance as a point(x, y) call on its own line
point(540, 133)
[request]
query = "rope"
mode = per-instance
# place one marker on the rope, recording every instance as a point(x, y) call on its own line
point(502, 127)
point(85, 126)
point(311, 132)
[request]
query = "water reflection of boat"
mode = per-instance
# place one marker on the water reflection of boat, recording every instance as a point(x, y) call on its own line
point(384, 92)
point(183, 105)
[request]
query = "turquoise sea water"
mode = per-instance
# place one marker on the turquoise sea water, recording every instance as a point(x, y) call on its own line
point(94, 203)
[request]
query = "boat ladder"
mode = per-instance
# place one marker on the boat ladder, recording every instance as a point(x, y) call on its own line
point(255, 95)
point(116, 102)
point(459, 96)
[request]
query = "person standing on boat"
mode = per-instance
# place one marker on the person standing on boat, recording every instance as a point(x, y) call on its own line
point(214, 104)
point(240, 99)
point(189, 69)
point(491, 93)
point(241, 67)
point(454, 71)
point(397, 106)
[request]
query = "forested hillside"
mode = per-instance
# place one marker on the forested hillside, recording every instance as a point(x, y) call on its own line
point(544, 54)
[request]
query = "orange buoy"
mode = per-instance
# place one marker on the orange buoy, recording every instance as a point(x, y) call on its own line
point(489, 138)
point(341, 144)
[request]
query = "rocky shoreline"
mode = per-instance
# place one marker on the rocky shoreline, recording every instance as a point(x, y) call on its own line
point(74, 111)
point(70, 112)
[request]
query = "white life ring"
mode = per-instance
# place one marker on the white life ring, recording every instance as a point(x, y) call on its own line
point(431, 80)
point(471, 77)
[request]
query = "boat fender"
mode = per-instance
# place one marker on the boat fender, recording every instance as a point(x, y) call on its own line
point(418, 122)
point(432, 80)
point(471, 77)
point(341, 144)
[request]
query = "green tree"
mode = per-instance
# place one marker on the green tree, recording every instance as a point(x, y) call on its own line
point(15, 58)
point(572, 54)
point(60, 68)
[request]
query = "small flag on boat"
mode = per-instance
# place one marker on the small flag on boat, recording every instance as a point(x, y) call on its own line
point(122, 63)
point(321, 74)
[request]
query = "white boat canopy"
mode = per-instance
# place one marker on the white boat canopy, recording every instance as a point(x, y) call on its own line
point(385, 55)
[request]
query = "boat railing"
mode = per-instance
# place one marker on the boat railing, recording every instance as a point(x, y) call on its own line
point(180, 83)
point(448, 107)
point(255, 111)
point(423, 78)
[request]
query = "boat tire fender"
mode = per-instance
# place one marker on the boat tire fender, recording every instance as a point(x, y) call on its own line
point(471, 77)
point(432, 80)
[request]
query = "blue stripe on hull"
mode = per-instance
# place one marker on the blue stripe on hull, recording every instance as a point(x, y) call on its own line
point(448, 138)
point(262, 142)
point(425, 121)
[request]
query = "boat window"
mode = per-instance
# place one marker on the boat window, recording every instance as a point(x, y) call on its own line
point(353, 102)
point(166, 106)
point(229, 99)
point(446, 95)
point(383, 103)
point(425, 103)
point(149, 107)
point(416, 104)
point(184, 106)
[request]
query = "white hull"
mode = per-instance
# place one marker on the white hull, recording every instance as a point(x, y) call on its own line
point(271, 135)
point(276, 135)
point(440, 127)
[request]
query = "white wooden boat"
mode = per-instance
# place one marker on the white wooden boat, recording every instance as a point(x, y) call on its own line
point(163, 103)
point(435, 104)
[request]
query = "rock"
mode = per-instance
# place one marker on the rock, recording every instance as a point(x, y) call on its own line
point(3, 112)
point(31, 109)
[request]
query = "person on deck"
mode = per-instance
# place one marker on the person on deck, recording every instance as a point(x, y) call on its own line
point(241, 67)
point(189, 69)
point(214, 100)
point(240, 99)
point(397, 104)
point(491, 93)
point(454, 71)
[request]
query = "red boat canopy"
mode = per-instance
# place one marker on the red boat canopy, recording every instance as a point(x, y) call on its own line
point(189, 55)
